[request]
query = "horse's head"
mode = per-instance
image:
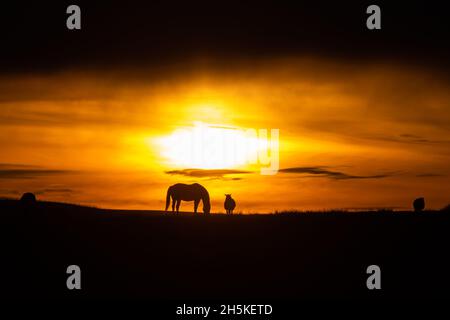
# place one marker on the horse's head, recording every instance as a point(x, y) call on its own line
point(206, 201)
point(206, 208)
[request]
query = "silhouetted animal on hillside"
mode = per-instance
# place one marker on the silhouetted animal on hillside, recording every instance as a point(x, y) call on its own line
point(28, 199)
point(419, 204)
point(229, 204)
point(188, 192)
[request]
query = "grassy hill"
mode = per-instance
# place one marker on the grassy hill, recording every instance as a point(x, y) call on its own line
point(150, 254)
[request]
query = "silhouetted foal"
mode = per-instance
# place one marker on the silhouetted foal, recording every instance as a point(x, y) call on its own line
point(229, 204)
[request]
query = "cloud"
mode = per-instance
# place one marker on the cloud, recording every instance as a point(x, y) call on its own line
point(16, 166)
point(414, 138)
point(429, 175)
point(9, 192)
point(314, 171)
point(411, 138)
point(208, 173)
point(324, 172)
point(55, 189)
point(178, 32)
point(23, 171)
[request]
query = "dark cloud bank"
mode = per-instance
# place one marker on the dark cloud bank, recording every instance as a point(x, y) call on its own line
point(158, 33)
point(323, 172)
point(23, 171)
point(208, 173)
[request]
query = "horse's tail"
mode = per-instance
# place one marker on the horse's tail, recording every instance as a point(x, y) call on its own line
point(169, 193)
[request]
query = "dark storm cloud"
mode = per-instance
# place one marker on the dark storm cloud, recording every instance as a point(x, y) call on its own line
point(325, 172)
point(156, 34)
point(23, 171)
point(208, 173)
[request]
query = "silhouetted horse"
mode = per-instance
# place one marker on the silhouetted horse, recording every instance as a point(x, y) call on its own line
point(229, 204)
point(188, 192)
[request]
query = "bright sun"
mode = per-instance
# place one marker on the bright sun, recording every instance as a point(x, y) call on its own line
point(207, 146)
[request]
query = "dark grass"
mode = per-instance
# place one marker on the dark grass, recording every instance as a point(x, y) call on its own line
point(149, 254)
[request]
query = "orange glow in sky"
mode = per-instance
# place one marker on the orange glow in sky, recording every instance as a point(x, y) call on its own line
point(350, 137)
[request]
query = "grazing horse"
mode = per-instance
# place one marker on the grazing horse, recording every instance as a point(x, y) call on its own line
point(229, 204)
point(188, 192)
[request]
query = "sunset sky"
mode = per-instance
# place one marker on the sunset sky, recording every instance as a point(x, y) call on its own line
point(88, 118)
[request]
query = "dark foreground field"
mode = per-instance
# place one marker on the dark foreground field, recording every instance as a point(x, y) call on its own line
point(130, 254)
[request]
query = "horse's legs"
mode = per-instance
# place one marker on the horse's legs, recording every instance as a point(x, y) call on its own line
point(196, 202)
point(173, 204)
point(178, 205)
